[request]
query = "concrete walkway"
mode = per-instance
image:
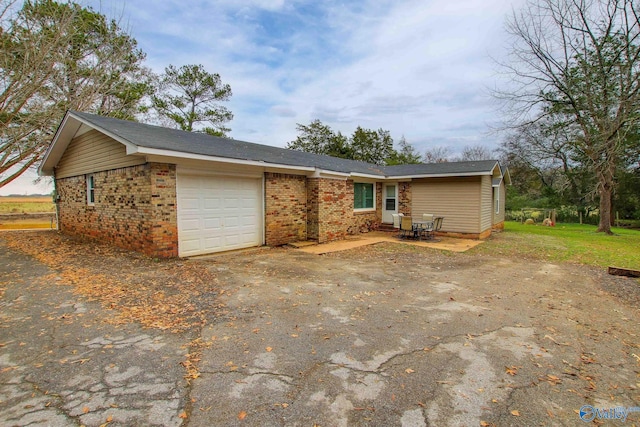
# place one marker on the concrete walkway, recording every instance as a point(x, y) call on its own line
point(443, 243)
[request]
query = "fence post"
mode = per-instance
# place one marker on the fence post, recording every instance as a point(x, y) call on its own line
point(580, 217)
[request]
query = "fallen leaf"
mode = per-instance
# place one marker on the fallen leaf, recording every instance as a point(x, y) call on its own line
point(515, 413)
point(268, 349)
point(512, 370)
point(409, 371)
point(85, 410)
point(109, 418)
point(183, 415)
point(242, 415)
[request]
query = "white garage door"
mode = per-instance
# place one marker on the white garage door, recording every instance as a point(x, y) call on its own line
point(218, 213)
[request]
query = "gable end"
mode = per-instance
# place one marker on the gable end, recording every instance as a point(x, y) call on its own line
point(94, 151)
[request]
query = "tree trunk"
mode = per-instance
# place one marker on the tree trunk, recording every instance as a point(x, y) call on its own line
point(606, 192)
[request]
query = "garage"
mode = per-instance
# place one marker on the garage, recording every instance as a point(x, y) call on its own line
point(218, 213)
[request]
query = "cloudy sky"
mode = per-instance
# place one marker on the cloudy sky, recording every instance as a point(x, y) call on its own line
point(418, 68)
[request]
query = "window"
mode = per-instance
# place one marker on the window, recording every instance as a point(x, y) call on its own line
point(363, 196)
point(91, 197)
point(497, 204)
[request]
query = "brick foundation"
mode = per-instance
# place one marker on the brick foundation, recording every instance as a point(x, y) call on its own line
point(135, 208)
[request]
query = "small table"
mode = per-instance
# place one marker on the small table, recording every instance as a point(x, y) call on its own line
point(422, 226)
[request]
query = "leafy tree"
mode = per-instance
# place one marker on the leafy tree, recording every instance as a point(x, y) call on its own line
point(319, 138)
point(372, 146)
point(406, 154)
point(55, 57)
point(577, 64)
point(364, 144)
point(189, 96)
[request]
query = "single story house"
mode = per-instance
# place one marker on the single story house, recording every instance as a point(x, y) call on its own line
point(169, 193)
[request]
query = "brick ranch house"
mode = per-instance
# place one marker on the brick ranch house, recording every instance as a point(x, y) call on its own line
point(169, 193)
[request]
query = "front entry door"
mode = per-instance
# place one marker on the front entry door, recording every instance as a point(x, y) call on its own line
point(390, 202)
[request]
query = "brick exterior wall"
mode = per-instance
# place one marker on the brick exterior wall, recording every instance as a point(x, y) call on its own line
point(330, 214)
point(135, 208)
point(285, 208)
point(404, 198)
point(313, 201)
point(363, 222)
point(332, 206)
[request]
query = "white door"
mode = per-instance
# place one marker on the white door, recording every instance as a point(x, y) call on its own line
point(390, 202)
point(218, 213)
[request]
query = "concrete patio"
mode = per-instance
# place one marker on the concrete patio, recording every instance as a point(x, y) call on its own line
point(442, 243)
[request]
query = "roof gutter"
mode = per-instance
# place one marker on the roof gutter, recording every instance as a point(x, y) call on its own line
point(437, 175)
point(182, 155)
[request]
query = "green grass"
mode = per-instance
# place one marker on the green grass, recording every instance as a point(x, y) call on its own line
point(572, 243)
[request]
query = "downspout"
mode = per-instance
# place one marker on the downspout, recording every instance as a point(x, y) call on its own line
point(56, 200)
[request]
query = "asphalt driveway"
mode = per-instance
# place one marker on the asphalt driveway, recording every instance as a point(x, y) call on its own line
point(382, 335)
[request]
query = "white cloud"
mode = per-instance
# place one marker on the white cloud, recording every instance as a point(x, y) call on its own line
point(419, 68)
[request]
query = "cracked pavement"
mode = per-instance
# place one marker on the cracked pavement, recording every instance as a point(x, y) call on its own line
point(62, 365)
point(379, 336)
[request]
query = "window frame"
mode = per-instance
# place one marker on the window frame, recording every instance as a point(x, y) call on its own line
point(373, 197)
point(91, 189)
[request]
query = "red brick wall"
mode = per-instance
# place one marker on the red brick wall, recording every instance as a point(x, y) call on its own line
point(363, 222)
point(285, 208)
point(404, 198)
point(330, 214)
point(313, 224)
point(135, 208)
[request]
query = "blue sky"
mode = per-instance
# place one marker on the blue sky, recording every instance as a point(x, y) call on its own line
point(418, 68)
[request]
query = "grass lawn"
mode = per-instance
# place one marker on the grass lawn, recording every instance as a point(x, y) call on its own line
point(573, 243)
point(13, 204)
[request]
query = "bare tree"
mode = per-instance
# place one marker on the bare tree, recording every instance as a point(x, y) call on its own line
point(55, 57)
point(475, 152)
point(578, 62)
point(439, 154)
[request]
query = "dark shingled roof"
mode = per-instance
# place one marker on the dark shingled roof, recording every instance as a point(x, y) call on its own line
point(461, 168)
point(155, 137)
point(161, 138)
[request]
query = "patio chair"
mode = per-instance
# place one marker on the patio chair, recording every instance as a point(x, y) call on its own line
point(426, 231)
point(437, 225)
point(406, 227)
point(396, 220)
point(427, 217)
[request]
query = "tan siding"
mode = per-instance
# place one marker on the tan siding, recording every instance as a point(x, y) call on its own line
point(94, 152)
point(457, 199)
point(486, 212)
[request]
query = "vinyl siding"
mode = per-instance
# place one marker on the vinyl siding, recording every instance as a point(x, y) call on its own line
point(94, 152)
point(486, 203)
point(456, 199)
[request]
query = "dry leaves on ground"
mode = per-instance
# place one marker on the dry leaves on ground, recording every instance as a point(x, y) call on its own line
point(173, 295)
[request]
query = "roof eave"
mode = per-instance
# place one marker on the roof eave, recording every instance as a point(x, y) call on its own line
point(436, 175)
point(68, 128)
point(192, 156)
